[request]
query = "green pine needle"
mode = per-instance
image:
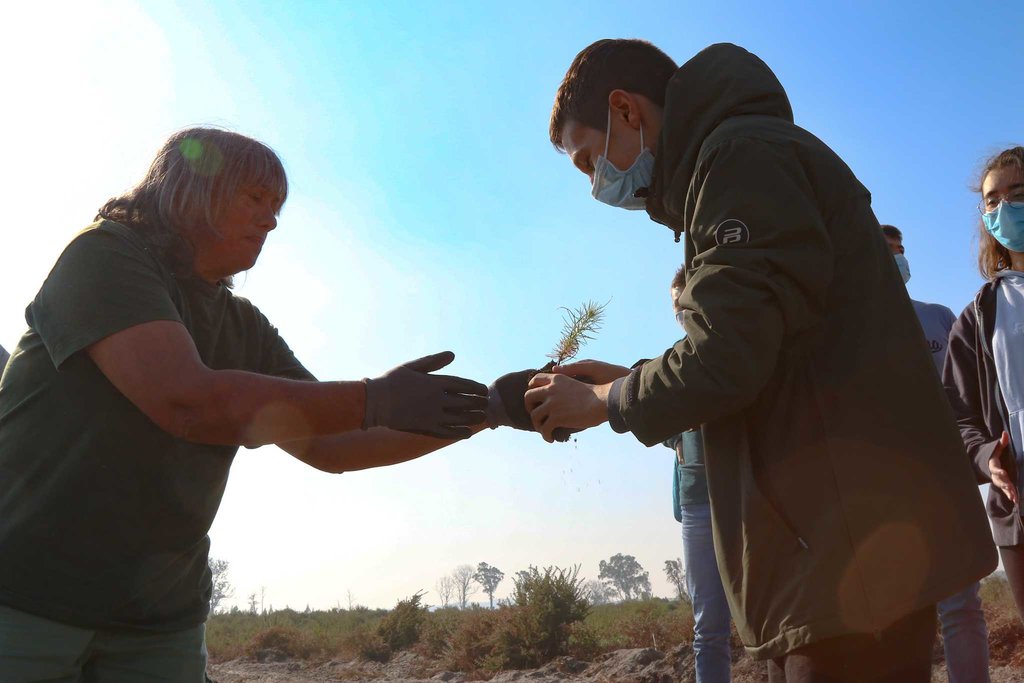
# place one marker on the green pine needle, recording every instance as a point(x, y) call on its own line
point(579, 326)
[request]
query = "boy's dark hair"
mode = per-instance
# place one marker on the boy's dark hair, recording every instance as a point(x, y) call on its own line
point(892, 232)
point(679, 279)
point(678, 283)
point(628, 64)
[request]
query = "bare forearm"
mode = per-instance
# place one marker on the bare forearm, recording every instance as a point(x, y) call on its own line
point(359, 450)
point(235, 407)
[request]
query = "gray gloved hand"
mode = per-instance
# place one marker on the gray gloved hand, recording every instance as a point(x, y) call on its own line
point(496, 415)
point(409, 399)
point(506, 406)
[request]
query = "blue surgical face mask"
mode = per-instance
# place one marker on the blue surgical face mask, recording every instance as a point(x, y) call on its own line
point(904, 265)
point(616, 188)
point(1006, 224)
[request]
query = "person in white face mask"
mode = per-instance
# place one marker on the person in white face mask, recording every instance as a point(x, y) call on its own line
point(964, 633)
point(623, 189)
point(936, 320)
point(842, 503)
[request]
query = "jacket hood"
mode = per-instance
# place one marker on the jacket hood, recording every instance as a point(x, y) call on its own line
point(719, 82)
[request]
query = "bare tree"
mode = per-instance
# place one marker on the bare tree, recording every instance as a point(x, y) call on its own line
point(254, 600)
point(463, 579)
point(677, 577)
point(222, 588)
point(351, 599)
point(263, 596)
point(445, 590)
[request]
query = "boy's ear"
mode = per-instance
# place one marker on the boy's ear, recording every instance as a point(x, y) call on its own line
point(625, 107)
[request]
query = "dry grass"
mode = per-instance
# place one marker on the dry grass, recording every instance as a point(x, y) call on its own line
point(481, 641)
point(661, 624)
point(1005, 629)
point(229, 636)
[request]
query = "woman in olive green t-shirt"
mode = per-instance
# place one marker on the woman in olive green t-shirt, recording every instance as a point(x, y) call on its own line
point(139, 377)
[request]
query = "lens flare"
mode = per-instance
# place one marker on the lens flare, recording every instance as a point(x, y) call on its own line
point(204, 159)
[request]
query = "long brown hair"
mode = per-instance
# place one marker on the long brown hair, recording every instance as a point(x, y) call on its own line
point(993, 256)
point(188, 186)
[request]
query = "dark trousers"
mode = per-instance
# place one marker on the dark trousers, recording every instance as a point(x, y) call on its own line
point(1013, 563)
point(901, 653)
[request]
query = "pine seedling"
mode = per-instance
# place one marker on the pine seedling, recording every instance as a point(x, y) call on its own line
point(579, 326)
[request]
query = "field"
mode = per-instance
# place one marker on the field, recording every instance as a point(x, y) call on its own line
point(538, 640)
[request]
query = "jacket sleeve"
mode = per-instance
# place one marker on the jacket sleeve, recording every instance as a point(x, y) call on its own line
point(961, 380)
point(762, 265)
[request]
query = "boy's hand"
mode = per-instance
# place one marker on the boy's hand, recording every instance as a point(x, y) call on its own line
point(596, 372)
point(558, 401)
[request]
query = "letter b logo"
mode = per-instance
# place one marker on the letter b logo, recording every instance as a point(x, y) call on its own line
point(730, 232)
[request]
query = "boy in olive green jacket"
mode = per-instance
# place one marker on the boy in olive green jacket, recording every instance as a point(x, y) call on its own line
point(843, 503)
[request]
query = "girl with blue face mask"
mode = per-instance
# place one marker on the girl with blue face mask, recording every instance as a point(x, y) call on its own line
point(984, 370)
point(1002, 207)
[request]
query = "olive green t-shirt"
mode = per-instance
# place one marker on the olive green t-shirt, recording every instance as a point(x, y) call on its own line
point(103, 515)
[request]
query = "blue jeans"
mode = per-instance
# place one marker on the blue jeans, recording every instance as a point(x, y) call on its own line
point(710, 610)
point(35, 649)
point(964, 637)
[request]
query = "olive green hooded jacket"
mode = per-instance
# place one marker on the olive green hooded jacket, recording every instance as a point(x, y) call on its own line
point(841, 495)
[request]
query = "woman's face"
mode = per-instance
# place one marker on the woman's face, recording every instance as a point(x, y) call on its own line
point(243, 228)
point(1002, 183)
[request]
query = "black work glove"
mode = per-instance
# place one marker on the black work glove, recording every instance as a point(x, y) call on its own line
point(408, 399)
point(506, 406)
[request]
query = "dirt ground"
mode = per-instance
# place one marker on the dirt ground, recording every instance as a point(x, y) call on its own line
point(623, 666)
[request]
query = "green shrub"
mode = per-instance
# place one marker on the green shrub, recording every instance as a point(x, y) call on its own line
point(536, 628)
point(288, 641)
point(510, 642)
point(401, 627)
point(655, 624)
point(437, 631)
point(583, 642)
point(366, 644)
point(398, 629)
point(472, 640)
point(641, 624)
point(228, 635)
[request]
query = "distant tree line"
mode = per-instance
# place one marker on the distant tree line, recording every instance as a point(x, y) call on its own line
point(619, 578)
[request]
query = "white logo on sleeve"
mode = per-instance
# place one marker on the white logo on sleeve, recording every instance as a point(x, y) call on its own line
point(731, 231)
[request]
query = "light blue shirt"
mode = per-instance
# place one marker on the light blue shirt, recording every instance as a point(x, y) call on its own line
point(1008, 353)
point(936, 321)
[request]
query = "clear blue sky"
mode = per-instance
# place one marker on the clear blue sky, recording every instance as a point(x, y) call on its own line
point(429, 211)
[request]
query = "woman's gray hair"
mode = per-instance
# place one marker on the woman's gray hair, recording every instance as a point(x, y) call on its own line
point(188, 186)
